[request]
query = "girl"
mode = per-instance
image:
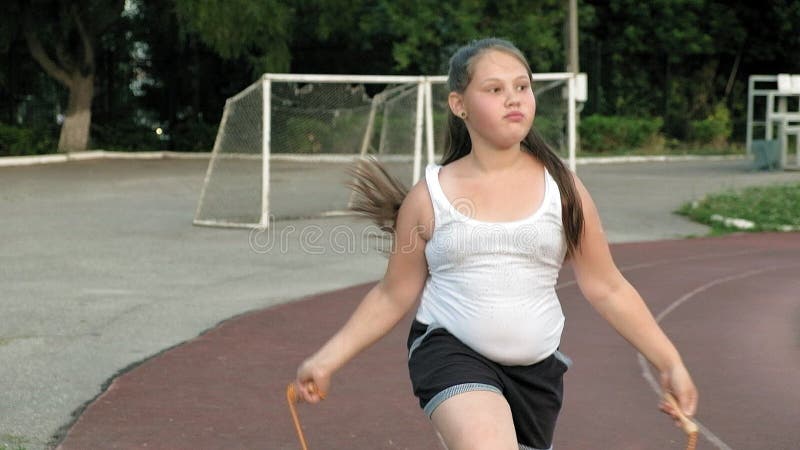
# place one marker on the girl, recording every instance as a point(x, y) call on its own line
point(480, 242)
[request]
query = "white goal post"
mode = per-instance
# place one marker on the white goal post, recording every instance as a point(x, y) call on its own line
point(285, 142)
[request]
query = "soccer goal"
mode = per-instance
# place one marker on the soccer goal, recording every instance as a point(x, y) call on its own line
point(286, 142)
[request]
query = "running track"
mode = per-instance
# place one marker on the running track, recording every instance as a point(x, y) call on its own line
point(731, 305)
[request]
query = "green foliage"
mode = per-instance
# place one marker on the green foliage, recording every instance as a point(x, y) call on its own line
point(713, 130)
point(421, 35)
point(665, 58)
point(674, 58)
point(17, 141)
point(13, 442)
point(190, 135)
point(257, 30)
point(535, 27)
point(125, 135)
point(302, 135)
point(193, 135)
point(312, 134)
point(770, 208)
point(609, 133)
point(12, 447)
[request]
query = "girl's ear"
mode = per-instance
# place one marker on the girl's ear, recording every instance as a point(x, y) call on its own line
point(456, 102)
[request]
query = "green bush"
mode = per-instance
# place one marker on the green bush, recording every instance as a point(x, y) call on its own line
point(17, 141)
point(601, 134)
point(193, 135)
point(124, 135)
point(301, 135)
point(714, 129)
point(127, 135)
point(314, 134)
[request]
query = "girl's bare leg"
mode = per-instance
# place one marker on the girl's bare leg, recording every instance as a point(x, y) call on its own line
point(476, 420)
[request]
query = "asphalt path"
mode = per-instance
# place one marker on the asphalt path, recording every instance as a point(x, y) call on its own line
point(102, 268)
point(729, 304)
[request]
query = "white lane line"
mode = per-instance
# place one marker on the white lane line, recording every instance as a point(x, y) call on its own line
point(645, 366)
point(669, 261)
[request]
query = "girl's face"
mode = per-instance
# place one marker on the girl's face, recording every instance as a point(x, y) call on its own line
point(498, 101)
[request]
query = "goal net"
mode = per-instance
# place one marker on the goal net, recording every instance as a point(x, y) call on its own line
point(286, 142)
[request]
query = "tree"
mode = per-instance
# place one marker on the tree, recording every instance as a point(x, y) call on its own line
point(256, 30)
point(184, 82)
point(61, 36)
point(678, 59)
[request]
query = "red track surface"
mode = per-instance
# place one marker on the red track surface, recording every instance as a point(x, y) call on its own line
point(736, 320)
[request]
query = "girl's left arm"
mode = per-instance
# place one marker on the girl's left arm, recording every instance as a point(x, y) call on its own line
point(617, 301)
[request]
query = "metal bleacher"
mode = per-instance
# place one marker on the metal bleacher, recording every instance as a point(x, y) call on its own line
point(775, 99)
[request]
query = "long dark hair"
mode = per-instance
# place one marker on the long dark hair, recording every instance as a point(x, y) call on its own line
point(370, 175)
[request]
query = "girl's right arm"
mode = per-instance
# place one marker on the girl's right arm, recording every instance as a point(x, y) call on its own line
point(383, 306)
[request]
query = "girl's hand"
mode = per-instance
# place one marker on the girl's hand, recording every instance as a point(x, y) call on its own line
point(312, 382)
point(678, 382)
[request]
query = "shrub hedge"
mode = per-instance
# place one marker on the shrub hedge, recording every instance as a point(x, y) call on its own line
point(713, 130)
point(601, 134)
point(18, 141)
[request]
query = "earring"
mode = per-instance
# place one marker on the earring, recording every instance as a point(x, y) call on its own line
point(463, 114)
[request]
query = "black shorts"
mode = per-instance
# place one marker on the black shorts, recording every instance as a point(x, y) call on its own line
point(441, 366)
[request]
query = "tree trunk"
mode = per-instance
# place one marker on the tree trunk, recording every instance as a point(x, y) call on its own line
point(75, 130)
point(75, 71)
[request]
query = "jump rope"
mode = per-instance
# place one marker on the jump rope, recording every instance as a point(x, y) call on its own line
point(293, 399)
point(688, 426)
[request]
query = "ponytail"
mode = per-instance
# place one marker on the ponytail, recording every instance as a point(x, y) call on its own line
point(377, 195)
point(571, 208)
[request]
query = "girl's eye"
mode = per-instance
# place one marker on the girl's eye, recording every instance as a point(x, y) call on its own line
point(523, 87)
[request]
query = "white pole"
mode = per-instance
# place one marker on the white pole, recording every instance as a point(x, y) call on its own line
point(796, 132)
point(327, 78)
point(429, 119)
point(770, 105)
point(370, 125)
point(784, 139)
point(418, 130)
point(751, 84)
point(212, 161)
point(368, 136)
point(266, 96)
point(387, 109)
point(571, 123)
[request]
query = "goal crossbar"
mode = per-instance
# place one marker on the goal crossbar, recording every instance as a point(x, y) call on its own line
point(258, 98)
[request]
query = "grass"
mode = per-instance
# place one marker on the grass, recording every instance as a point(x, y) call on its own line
point(765, 208)
point(11, 442)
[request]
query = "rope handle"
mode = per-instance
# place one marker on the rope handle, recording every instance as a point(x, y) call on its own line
point(688, 426)
point(293, 399)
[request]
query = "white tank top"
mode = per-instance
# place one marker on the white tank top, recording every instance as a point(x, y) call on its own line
point(492, 284)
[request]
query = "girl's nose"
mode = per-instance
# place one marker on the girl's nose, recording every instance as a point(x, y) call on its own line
point(513, 99)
